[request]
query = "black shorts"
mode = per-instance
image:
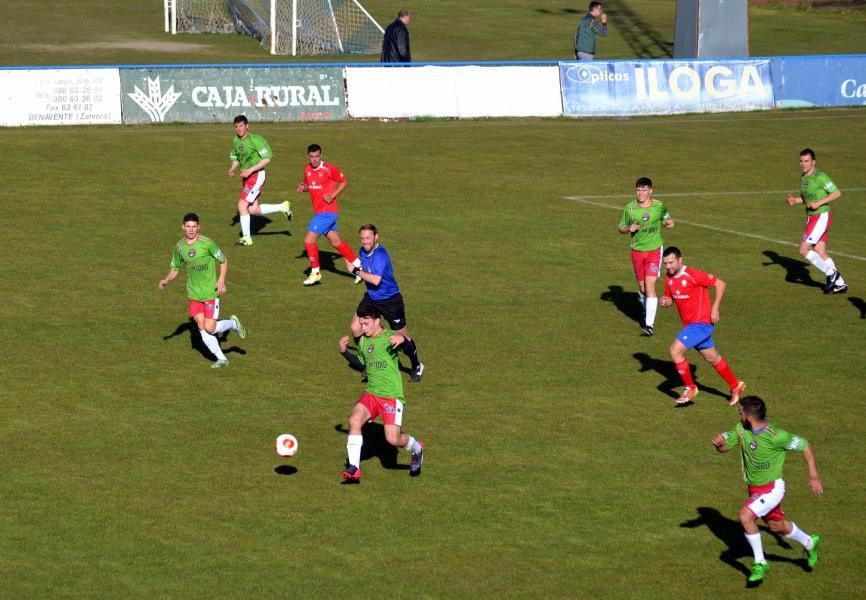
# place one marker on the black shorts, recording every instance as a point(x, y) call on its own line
point(392, 309)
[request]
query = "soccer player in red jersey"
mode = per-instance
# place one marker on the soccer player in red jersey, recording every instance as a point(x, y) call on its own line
point(324, 182)
point(688, 288)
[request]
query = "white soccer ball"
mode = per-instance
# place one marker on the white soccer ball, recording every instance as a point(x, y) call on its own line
point(287, 445)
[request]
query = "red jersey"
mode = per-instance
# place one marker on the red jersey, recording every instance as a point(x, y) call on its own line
point(689, 290)
point(320, 181)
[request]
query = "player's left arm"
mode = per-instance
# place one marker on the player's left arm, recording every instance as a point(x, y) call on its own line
point(814, 478)
point(667, 221)
point(819, 203)
point(720, 286)
point(256, 167)
point(338, 176)
point(396, 339)
point(221, 279)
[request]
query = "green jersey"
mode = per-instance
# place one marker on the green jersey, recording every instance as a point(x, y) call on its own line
point(383, 367)
point(763, 453)
point(649, 236)
point(200, 259)
point(250, 150)
point(816, 186)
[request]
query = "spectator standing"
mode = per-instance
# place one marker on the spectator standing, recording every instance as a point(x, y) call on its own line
point(395, 44)
point(593, 25)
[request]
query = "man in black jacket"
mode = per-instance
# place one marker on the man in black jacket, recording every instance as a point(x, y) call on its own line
point(395, 44)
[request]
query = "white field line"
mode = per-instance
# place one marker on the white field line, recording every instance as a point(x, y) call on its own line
point(590, 200)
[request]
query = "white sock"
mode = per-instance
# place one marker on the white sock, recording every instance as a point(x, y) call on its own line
point(799, 535)
point(815, 258)
point(353, 449)
point(270, 208)
point(412, 446)
point(356, 262)
point(314, 270)
point(651, 307)
point(245, 225)
point(212, 344)
point(832, 264)
point(754, 540)
point(224, 325)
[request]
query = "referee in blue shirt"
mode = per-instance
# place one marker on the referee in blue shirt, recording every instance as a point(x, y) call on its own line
point(383, 294)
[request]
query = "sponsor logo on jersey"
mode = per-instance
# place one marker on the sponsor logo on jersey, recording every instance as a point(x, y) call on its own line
point(389, 408)
point(795, 443)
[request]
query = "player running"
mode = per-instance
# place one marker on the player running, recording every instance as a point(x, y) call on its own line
point(383, 294)
point(377, 353)
point(817, 191)
point(762, 451)
point(200, 255)
point(252, 154)
point(689, 289)
point(643, 219)
point(325, 182)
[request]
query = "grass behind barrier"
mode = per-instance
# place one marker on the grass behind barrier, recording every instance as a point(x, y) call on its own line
point(48, 32)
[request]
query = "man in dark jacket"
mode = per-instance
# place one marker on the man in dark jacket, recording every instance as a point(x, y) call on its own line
point(395, 45)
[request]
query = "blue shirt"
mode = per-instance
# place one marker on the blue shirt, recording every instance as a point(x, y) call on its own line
point(378, 262)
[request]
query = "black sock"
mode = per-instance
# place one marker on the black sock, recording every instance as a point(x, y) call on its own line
point(411, 351)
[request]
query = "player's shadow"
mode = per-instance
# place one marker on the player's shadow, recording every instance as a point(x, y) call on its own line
point(285, 470)
point(197, 344)
point(376, 446)
point(796, 271)
point(328, 261)
point(628, 303)
point(859, 304)
point(730, 533)
point(668, 370)
point(563, 11)
point(257, 223)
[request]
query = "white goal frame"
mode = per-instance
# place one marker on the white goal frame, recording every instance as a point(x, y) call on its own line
point(170, 13)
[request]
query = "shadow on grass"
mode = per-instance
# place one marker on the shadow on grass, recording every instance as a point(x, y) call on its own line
point(796, 271)
point(643, 40)
point(668, 370)
point(197, 344)
point(563, 11)
point(376, 446)
point(257, 223)
point(859, 304)
point(285, 470)
point(628, 303)
point(328, 262)
point(730, 532)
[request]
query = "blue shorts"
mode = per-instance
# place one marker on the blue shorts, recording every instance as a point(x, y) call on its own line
point(322, 223)
point(697, 335)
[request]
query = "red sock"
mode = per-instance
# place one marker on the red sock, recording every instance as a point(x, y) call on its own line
point(686, 373)
point(724, 370)
point(313, 254)
point(346, 251)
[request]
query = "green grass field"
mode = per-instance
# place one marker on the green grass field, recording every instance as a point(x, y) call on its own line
point(556, 464)
point(131, 32)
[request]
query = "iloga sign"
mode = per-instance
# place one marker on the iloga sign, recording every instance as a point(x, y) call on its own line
point(218, 94)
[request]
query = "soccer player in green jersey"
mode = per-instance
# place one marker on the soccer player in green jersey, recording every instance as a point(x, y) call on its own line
point(252, 154)
point(817, 191)
point(762, 452)
point(377, 353)
point(643, 219)
point(200, 255)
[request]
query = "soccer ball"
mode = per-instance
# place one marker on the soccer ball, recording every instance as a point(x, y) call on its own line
point(287, 445)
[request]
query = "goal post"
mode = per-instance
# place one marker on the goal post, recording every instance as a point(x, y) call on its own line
point(287, 27)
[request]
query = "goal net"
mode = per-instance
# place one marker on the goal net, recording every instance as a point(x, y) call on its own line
point(292, 27)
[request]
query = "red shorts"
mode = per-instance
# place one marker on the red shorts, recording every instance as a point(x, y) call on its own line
point(391, 409)
point(210, 308)
point(765, 501)
point(646, 263)
point(817, 227)
point(252, 187)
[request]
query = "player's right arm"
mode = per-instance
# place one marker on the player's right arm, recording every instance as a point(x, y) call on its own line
point(792, 200)
point(233, 168)
point(302, 186)
point(172, 273)
point(726, 440)
point(351, 357)
point(627, 224)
